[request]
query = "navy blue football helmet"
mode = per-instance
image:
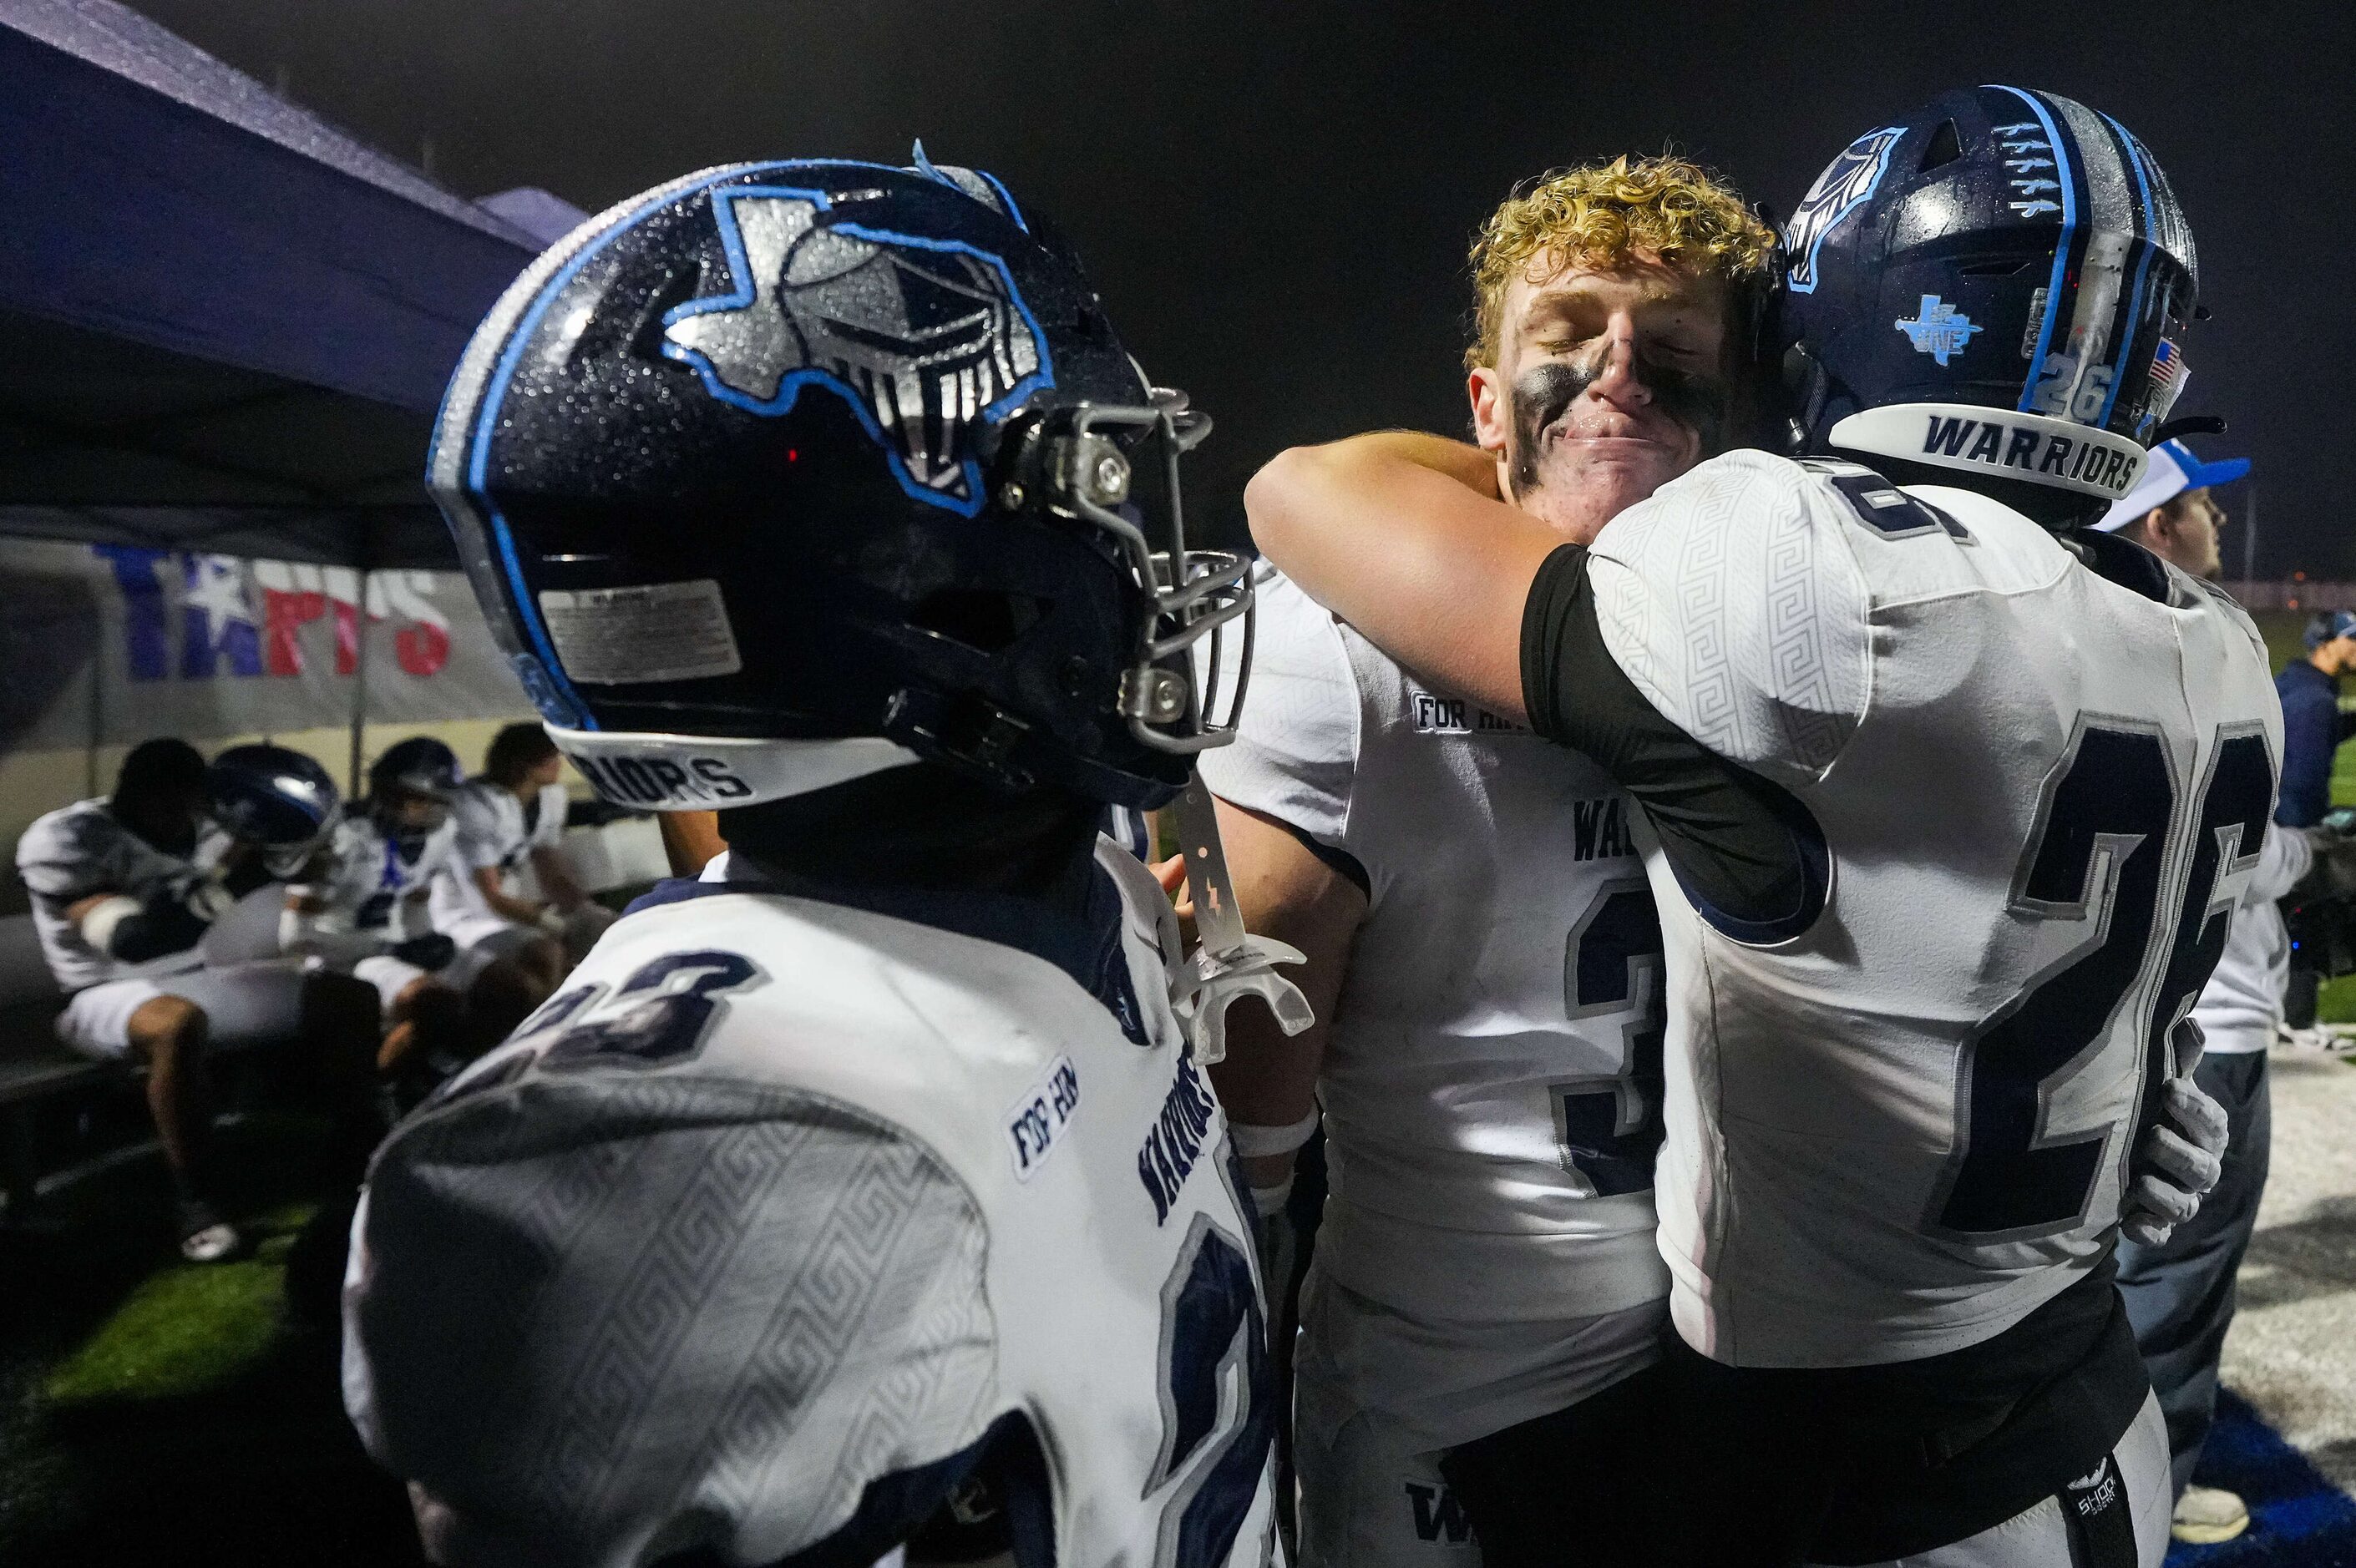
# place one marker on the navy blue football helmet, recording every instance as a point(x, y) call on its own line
point(276, 798)
point(420, 767)
point(787, 473)
point(1996, 286)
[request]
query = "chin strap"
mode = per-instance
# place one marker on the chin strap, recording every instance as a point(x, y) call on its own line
point(1227, 962)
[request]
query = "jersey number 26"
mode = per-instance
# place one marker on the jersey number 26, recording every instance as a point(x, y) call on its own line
point(2098, 857)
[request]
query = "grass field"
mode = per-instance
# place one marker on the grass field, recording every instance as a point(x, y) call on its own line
point(152, 1413)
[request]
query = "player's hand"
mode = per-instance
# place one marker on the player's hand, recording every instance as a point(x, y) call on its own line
point(1172, 874)
point(2334, 872)
point(205, 900)
point(2179, 1160)
point(430, 952)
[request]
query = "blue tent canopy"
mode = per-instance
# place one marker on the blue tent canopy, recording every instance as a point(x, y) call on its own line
point(223, 323)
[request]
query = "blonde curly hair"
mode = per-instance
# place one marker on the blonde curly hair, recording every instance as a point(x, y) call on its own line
point(1596, 215)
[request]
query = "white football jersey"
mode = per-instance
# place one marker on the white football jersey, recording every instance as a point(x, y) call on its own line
point(759, 1233)
point(1492, 1082)
point(2244, 1002)
point(493, 835)
point(2023, 795)
point(79, 851)
point(366, 879)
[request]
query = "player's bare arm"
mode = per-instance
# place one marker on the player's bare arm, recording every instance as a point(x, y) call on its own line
point(556, 878)
point(523, 911)
point(1393, 533)
point(1269, 1080)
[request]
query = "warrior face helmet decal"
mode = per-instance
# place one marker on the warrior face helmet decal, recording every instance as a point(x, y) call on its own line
point(784, 474)
point(276, 798)
point(1996, 286)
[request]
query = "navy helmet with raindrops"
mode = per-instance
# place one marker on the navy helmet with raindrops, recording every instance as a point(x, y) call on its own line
point(1994, 289)
point(783, 474)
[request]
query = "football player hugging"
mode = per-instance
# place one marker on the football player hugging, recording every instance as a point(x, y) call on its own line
point(1944, 799)
point(1483, 949)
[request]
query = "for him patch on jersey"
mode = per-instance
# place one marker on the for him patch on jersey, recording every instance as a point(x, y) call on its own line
point(1436, 714)
point(1038, 1121)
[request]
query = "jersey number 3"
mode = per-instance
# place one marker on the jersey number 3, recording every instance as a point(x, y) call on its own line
point(2097, 859)
point(1609, 1128)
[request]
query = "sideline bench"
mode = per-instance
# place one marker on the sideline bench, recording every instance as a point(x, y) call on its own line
point(33, 1066)
point(35, 1069)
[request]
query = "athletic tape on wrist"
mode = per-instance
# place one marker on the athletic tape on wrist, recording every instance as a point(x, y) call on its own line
point(1253, 1141)
point(100, 923)
point(1269, 1201)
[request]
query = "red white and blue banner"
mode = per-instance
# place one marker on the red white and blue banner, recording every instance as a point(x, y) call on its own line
point(111, 643)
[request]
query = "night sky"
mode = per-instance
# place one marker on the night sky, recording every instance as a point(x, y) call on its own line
point(1275, 198)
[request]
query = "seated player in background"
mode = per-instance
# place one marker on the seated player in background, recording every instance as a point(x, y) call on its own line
point(122, 909)
point(509, 816)
point(872, 1163)
point(360, 905)
point(1948, 797)
point(1484, 955)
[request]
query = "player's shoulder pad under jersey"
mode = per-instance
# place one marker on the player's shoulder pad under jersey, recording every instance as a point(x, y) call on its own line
point(798, 1271)
point(441, 849)
point(60, 847)
point(80, 849)
point(1144, 906)
point(1296, 749)
point(2223, 603)
point(1734, 601)
point(474, 810)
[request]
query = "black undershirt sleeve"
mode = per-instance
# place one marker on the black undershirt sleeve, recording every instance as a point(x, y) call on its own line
point(164, 925)
point(1738, 844)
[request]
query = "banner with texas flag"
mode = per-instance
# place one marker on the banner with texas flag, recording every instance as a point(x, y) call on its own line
point(111, 643)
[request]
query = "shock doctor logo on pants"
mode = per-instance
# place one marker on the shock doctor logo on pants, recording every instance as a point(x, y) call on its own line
point(2102, 1527)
